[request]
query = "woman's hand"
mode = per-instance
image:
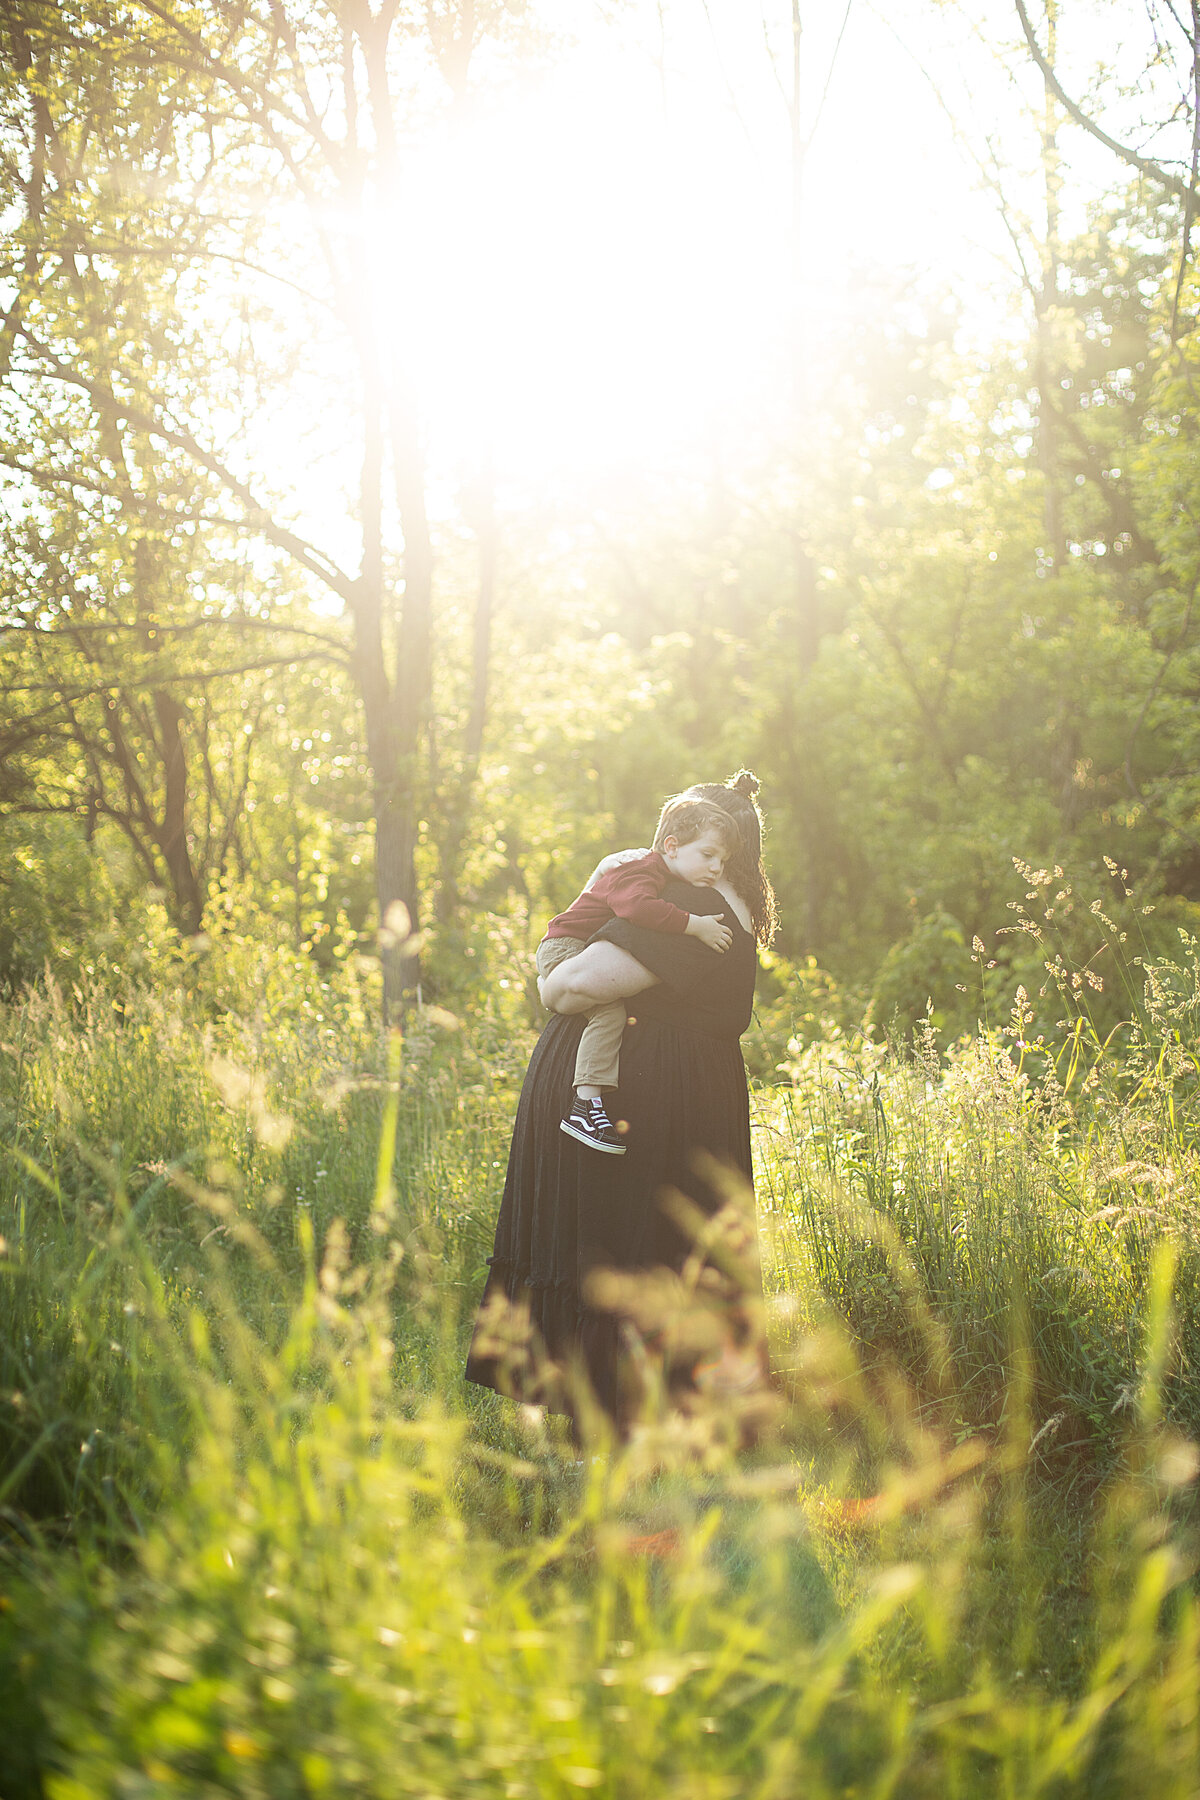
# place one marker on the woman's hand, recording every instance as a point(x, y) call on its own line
point(598, 974)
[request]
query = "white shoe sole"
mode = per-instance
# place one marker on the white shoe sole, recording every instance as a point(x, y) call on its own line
point(581, 1137)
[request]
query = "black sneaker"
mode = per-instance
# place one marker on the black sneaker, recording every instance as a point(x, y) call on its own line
point(588, 1121)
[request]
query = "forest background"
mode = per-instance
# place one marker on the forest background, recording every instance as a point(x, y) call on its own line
point(433, 431)
point(435, 434)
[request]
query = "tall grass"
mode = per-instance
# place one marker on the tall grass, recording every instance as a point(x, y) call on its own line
point(260, 1541)
point(998, 1205)
point(150, 1126)
point(347, 1590)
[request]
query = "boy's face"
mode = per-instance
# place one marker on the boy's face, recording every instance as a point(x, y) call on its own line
point(701, 862)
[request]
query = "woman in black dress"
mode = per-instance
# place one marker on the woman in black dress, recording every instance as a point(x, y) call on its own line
point(614, 1276)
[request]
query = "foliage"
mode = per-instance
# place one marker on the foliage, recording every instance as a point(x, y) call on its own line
point(234, 1104)
point(179, 681)
point(61, 898)
point(995, 1213)
point(256, 1539)
point(294, 1555)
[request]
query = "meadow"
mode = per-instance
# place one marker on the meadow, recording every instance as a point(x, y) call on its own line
point(260, 1539)
point(429, 436)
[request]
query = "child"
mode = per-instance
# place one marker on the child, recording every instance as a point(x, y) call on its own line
point(693, 841)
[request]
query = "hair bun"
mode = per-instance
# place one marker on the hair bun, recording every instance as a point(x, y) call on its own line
point(744, 782)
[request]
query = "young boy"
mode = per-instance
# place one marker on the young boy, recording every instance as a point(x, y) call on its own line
point(692, 843)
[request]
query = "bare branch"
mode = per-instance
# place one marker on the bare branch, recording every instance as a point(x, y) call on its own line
point(1144, 164)
point(195, 254)
point(258, 517)
point(260, 113)
point(337, 649)
point(234, 78)
point(828, 77)
point(155, 678)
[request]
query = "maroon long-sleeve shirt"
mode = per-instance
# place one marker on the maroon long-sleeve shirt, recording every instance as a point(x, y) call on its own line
point(633, 891)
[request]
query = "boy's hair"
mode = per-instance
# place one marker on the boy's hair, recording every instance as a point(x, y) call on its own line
point(685, 818)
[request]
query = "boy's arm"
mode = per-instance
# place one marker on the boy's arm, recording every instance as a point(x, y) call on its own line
point(633, 892)
point(710, 929)
point(612, 861)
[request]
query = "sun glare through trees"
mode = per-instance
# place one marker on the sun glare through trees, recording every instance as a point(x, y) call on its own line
point(432, 433)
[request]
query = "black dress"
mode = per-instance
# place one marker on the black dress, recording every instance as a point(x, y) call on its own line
point(576, 1224)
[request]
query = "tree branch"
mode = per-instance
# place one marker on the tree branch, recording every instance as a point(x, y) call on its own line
point(308, 555)
point(233, 78)
point(339, 651)
point(155, 678)
point(168, 252)
point(1143, 164)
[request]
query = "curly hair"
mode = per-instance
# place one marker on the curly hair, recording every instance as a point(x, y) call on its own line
point(685, 817)
point(744, 870)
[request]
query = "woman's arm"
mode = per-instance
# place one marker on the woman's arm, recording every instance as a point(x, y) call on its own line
point(601, 972)
point(608, 971)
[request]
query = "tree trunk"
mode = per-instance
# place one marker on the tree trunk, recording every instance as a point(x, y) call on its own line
point(396, 885)
point(1046, 374)
point(394, 710)
point(482, 509)
point(806, 636)
point(391, 779)
point(414, 680)
point(1064, 746)
point(171, 836)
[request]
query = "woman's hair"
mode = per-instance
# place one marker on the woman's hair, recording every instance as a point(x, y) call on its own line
point(685, 817)
point(744, 870)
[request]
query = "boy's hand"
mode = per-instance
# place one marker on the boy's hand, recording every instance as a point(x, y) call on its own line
point(709, 929)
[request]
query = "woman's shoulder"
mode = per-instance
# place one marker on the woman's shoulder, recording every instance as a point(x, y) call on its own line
point(708, 900)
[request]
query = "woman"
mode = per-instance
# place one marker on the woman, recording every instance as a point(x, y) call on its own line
point(595, 1293)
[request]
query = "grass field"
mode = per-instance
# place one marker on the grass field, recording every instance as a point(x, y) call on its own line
point(259, 1539)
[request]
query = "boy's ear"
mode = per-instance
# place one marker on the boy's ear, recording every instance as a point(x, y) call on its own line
point(670, 844)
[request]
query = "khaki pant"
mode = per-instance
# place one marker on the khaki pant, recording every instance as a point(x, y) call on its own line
point(598, 1061)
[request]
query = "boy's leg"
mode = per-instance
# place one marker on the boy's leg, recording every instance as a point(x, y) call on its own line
point(596, 1067)
point(552, 951)
point(598, 1060)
